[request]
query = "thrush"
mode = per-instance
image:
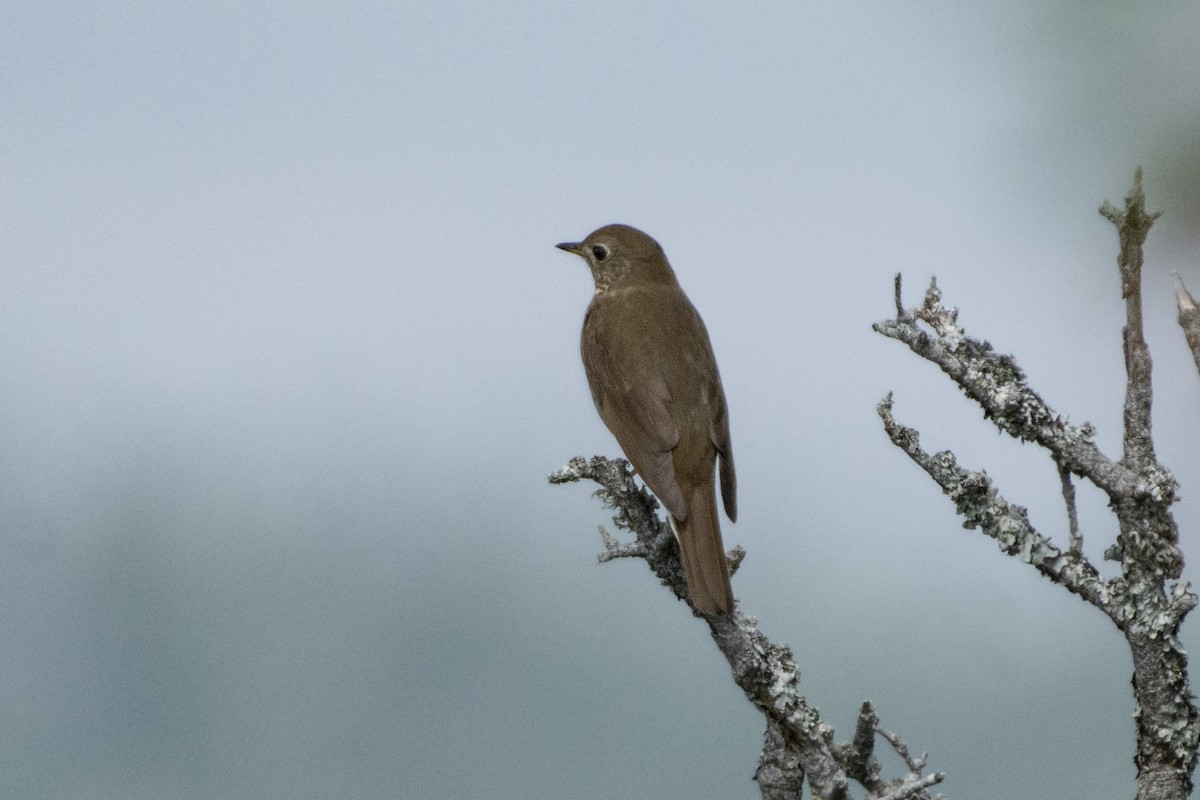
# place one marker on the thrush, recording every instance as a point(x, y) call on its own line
point(654, 380)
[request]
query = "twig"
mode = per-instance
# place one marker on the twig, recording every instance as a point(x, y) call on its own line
point(914, 784)
point(1068, 490)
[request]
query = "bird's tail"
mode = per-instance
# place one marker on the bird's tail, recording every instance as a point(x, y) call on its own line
point(704, 563)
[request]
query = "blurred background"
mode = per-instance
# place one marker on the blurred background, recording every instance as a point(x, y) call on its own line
point(288, 353)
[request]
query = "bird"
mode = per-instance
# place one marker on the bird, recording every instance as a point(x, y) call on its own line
point(654, 380)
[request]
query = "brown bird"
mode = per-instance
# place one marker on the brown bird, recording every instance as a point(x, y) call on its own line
point(655, 383)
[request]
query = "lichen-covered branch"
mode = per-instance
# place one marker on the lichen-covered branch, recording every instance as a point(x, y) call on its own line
point(998, 385)
point(913, 782)
point(779, 774)
point(1189, 318)
point(859, 754)
point(996, 382)
point(1167, 730)
point(1144, 602)
point(797, 743)
point(1133, 224)
point(981, 506)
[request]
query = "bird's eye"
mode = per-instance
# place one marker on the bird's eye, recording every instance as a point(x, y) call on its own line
point(600, 252)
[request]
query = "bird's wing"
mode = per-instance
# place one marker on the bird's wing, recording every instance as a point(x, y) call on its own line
point(632, 397)
point(701, 363)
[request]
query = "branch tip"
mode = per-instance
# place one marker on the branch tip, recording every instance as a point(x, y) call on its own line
point(1189, 317)
point(884, 406)
point(1183, 298)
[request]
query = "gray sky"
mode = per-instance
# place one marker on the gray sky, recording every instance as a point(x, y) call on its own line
point(288, 353)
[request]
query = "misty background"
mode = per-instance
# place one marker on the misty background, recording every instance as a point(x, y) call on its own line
point(287, 354)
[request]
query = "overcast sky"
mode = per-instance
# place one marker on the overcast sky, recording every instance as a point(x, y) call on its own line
point(287, 354)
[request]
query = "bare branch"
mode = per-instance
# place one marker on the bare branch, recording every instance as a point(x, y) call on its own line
point(913, 784)
point(913, 764)
point(900, 312)
point(615, 548)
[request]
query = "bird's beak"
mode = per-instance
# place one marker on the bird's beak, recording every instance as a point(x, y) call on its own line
point(570, 247)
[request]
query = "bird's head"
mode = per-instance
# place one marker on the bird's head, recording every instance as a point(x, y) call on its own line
point(619, 256)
